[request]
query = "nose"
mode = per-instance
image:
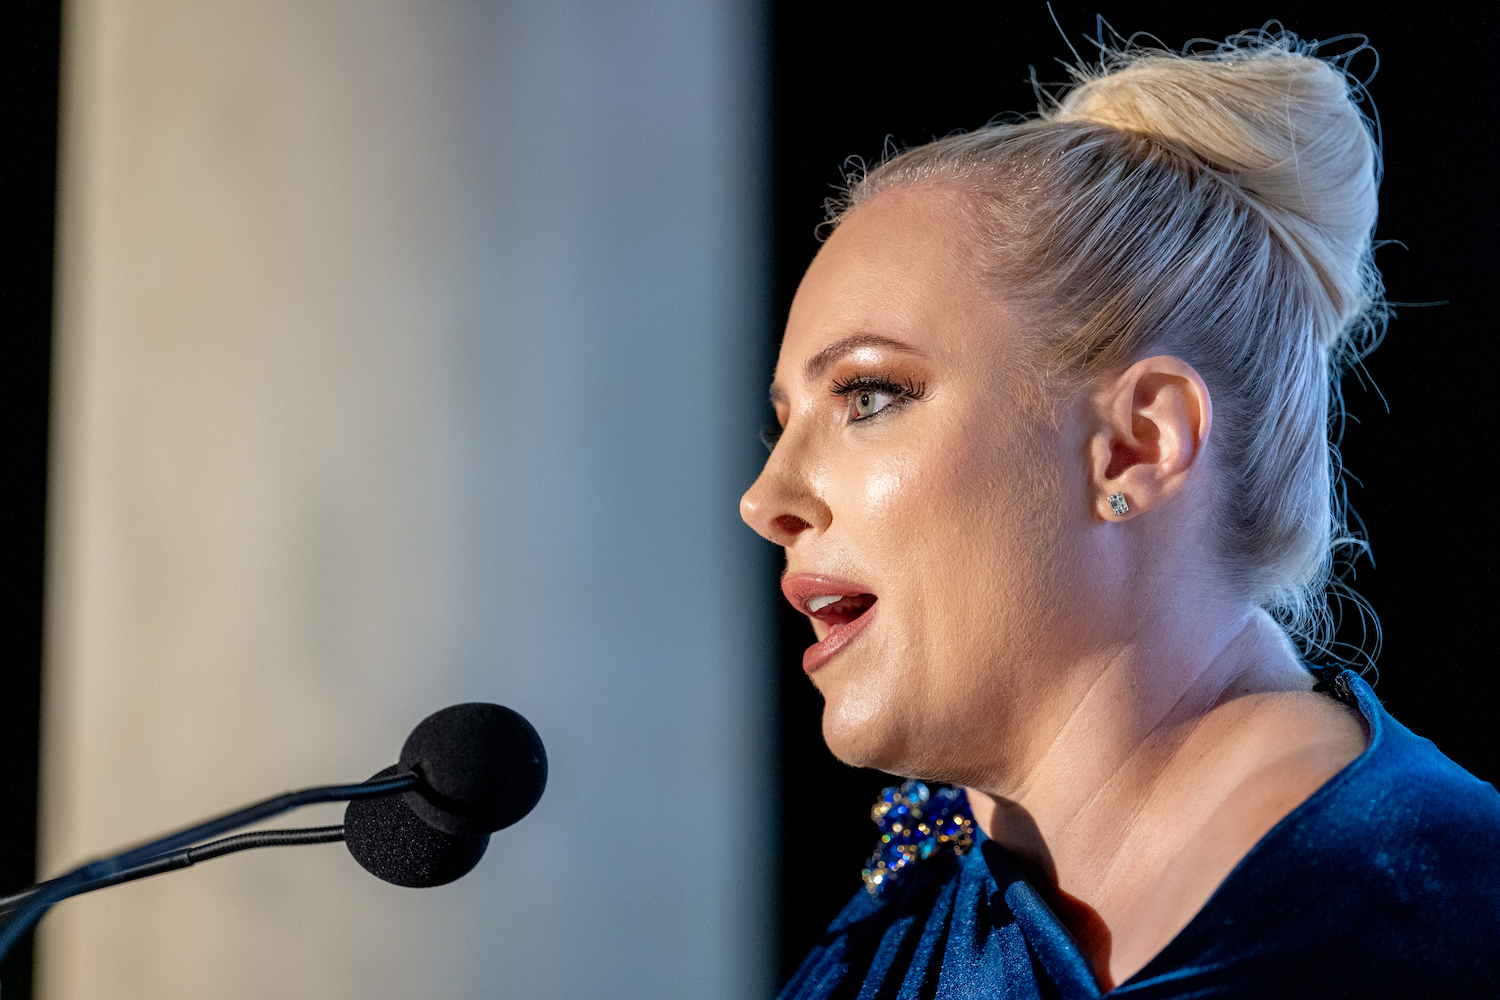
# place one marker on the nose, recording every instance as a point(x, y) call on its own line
point(782, 504)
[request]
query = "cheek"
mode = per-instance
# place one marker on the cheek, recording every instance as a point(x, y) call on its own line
point(961, 500)
point(882, 506)
point(995, 517)
point(882, 489)
point(956, 528)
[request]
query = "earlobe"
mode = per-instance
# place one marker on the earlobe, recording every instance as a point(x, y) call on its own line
point(1154, 419)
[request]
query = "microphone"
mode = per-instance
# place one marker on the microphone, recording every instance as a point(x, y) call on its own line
point(481, 768)
point(465, 772)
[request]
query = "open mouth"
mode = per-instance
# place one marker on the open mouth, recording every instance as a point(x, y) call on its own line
point(846, 608)
point(839, 609)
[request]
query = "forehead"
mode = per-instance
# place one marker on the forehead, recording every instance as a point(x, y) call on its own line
point(898, 242)
point(901, 266)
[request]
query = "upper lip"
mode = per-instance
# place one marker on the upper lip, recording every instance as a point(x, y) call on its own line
point(800, 588)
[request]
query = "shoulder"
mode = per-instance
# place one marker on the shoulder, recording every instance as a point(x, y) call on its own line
point(1402, 832)
point(1400, 806)
point(1385, 882)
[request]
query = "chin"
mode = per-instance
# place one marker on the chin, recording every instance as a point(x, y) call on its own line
point(896, 734)
point(863, 730)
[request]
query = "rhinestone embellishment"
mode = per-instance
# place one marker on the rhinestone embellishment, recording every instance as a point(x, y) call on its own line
point(1118, 505)
point(915, 825)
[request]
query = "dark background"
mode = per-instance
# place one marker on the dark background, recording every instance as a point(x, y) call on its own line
point(28, 169)
point(847, 76)
point(844, 78)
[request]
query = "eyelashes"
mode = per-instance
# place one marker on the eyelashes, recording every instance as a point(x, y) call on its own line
point(886, 385)
point(770, 433)
point(873, 393)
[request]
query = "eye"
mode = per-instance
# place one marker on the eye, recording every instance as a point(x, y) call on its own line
point(868, 402)
point(870, 395)
point(770, 434)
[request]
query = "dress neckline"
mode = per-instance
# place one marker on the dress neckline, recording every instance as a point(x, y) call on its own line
point(1368, 705)
point(1055, 944)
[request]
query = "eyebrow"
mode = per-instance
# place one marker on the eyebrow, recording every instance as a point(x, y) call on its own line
point(828, 356)
point(824, 359)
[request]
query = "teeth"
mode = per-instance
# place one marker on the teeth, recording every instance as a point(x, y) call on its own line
point(819, 603)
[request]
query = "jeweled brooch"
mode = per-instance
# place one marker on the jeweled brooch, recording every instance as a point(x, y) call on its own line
point(914, 825)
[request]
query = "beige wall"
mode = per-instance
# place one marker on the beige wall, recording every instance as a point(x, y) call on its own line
point(407, 354)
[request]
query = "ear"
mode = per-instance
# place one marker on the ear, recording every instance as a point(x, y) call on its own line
point(1153, 421)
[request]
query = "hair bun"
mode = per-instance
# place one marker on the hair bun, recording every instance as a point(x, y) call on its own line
point(1281, 126)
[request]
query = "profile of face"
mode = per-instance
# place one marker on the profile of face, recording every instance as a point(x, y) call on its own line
point(938, 515)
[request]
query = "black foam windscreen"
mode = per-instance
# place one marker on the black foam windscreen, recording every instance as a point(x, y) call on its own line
point(482, 767)
point(393, 843)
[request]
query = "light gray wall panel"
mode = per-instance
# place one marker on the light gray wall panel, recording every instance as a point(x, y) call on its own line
point(409, 353)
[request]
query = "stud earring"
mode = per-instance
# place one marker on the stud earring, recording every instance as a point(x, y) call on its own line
point(1118, 505)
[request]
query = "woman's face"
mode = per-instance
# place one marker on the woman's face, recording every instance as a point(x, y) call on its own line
point(935, 525)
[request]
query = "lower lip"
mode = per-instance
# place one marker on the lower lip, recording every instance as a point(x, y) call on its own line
point(834, 642)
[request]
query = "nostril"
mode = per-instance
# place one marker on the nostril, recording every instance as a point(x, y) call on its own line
point(790, 524)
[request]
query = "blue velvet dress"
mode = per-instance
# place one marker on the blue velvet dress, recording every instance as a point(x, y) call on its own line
point(1384, 883)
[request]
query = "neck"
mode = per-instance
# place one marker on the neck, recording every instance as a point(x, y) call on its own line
point(1122, 715)
point(1137, 736)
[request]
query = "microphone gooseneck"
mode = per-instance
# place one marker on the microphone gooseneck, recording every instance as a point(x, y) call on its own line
point(104, 872)
point(464, 773)
point(188, 857)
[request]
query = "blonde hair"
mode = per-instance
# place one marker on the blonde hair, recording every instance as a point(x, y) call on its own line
point(1218, 206)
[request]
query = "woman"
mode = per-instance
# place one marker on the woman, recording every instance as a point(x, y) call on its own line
point(1053, 481)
